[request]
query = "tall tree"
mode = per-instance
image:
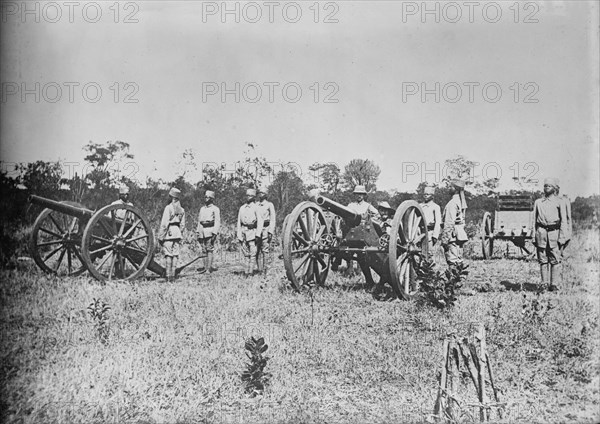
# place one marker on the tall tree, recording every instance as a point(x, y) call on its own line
point(327, 177)
point(361, 172)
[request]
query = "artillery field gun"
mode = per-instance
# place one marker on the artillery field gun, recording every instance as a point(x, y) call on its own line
point(115, 242)
point(310, 243)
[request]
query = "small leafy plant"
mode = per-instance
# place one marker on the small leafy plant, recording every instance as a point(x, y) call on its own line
point(440, 288)
point(98, 311)
point(255, 377)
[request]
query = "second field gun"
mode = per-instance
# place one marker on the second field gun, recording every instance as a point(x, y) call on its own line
point(115, 242)
point(310, 243)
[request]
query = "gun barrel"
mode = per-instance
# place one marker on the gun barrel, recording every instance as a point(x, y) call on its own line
point(351, 218)
point(61, 207)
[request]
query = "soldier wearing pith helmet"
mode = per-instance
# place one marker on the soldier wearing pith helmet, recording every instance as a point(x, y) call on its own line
point(551, 231)
point(209, 224)
point(171, 230)
point(249, 228)
point(387, 215)
point(360, 205)
point(453, 235)
point(433, 216)
point(267, 212)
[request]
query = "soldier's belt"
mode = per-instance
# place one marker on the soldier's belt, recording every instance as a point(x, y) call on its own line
point(550, 227)
point(177, 224)
point(431, 226)
point(207, 224)
point(250, 226)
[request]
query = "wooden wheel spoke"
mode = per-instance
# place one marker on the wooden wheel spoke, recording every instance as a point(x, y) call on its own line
point(108, 255)
point(299, 238)
point(308, 223)
point(321, 261)
point(56, 223)
point(60, 259)
point(102, 249)
point(69, 260)
point(49, 255)
point(419, 238)
point(130, 230)
point(106, 228)
point(302, 262)
point(72, 225)
point(132, 240)
point(123, 221)
point(50, 232)
point(136, 266)
point(300, 251)
point(305, 232)
point(112, 266)
point(48, 243)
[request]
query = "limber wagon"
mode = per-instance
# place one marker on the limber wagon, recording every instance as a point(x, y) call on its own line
point(115, 242)
point(512, 222)
point(310, 242)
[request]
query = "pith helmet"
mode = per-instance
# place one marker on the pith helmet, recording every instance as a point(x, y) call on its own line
point(385, 205)
point(360, 189)
point(552, 181)
point(429, 190)
point(175, 192)
point(123, 189)
point(210, 194)
point(457, 183)
point(250, 192)
point(262, 191)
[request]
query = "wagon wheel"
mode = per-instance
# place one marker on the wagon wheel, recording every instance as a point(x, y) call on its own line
point(487, 236)
point(305, 239)
point(408, 245)
point(55, 242)
point(118, 243)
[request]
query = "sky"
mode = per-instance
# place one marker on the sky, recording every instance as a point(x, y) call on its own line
point(511, 86)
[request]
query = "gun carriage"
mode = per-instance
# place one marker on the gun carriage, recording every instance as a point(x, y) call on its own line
point(512, 222)
point(115, 242)
point(310, 242)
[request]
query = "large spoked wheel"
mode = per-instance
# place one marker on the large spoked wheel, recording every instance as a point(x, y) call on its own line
point(118, 243)
point(487, 236)
point(408, 246)
point(55, 242)
point(306, 239)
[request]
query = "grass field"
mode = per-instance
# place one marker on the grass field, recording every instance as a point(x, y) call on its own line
point(174, 352)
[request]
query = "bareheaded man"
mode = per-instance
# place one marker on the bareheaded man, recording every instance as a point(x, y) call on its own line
point(551, 231)
point(249, 229)
point(171, 230)
point(267, 213)
point(453, 235)
point(209, 224)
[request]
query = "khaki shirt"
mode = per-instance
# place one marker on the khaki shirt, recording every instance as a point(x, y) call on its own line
point(547, 211)
point(364, 209)
point(172, 222)
point(249, 216)
point(120, 214)
point(210, 213)
point(433, 215)
point(267, 213)
point(453, 220)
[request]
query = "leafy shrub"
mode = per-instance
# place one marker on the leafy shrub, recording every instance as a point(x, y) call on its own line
point(255, 377)
point(440, 288)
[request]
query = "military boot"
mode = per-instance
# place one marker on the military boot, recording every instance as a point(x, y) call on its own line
point(554, 277)
point(544, 272)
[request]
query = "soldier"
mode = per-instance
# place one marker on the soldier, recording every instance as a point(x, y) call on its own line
point(267, 213)
point(433, 216)
point(170, 233)
point(123, 200)
point(569, 231)
point(360, 206)
point(454, 235)
point(249, 228)
point(387, 215)
point(209, 224)
point(551, 228)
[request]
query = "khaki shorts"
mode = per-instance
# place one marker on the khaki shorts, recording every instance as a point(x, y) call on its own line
point(249, 248)
point(171, 247)
point(549, 254)
point(454, 253)
point(207, 244)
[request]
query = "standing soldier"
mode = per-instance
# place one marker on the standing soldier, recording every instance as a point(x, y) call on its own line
point(267, 213)
point(454, 235)
point(569, 230)
point(433, 216)
point(249, 228)
point(551, 228)
point(387, 215)
point(170, 233)
point(123, 200)
point(361, 206)
point(209, 224)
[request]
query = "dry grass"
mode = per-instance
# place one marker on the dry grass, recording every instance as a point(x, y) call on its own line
point(175, 352)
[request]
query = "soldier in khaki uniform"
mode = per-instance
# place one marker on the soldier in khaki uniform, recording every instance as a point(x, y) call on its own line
point(433, 216)
point(387, 215)
point(267, 213)
point(551, 230)
point(209, 224)
point(249, 228)
point(361, 206)
point(123, 200)
point(454, 235)
point(171, 230)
